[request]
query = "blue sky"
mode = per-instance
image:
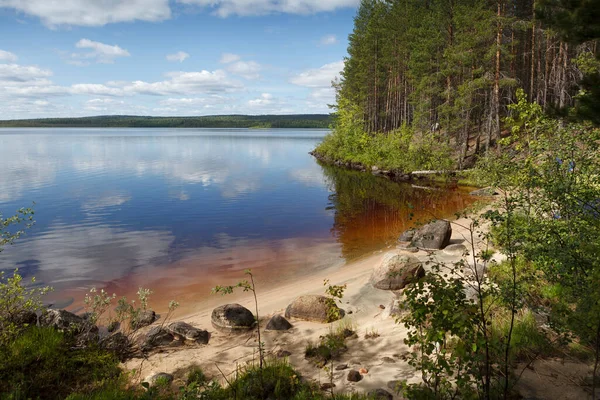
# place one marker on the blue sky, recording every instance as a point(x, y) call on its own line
point(170, 57)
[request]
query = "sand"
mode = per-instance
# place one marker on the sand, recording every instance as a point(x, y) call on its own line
point(384, 357)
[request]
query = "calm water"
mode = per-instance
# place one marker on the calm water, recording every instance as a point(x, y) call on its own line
point(176, 210)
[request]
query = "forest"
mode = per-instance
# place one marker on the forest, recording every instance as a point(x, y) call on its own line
point(453, 67)
point(316, 121)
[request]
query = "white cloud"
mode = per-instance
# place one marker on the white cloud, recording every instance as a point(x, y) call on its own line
point(328, 40)
point(19, 73)
point(7, 56)
point(227, 58)
point(225, 8)
point(91, 12)
point(319, 77)
point(265, 99)
point(100, 53)
point(246, 69)
point(180, 56)
point(180, 82)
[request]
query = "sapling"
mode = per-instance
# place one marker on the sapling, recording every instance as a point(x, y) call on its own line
point(246, 287)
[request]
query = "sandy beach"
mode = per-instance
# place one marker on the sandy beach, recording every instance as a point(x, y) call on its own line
point(367, 309)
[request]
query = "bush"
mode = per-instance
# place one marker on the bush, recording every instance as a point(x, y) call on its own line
point(42, 364)
point(402, 150)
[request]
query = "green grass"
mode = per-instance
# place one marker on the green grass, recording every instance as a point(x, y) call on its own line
point(41, 363)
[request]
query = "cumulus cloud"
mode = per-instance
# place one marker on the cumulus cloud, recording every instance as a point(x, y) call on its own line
point(265, 99)
point(225, 8)
point(180, 82)
point(91, 12)
point(7, 56)
point(17, 74)
point(227, 58)
point(180, 56)
point(245, 69)
point(319, 77)
point(99, 52)
point(328, 40)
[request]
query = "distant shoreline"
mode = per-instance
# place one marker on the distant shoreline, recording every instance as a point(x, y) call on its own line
point(293, 121)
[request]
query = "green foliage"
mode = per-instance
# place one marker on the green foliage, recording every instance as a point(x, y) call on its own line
point(41, 363)
point(17, 303)
point(22, 216)
point(400, 150)
point(448, 334)
point(334, 293)
point(548, 222)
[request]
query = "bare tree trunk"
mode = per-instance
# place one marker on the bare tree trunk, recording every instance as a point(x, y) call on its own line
point(495, 109)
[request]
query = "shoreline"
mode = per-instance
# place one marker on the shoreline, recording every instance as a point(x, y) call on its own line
point(384, 357)
point(391, 174)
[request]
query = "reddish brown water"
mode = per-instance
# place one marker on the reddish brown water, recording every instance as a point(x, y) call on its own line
point(180, 211)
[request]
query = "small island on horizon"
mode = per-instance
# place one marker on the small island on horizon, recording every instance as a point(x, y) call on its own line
point(310, 121)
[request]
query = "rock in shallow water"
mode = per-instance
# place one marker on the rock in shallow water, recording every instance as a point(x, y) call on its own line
point(232, 318)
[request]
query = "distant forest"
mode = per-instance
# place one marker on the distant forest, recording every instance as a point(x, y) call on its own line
point(211, 121)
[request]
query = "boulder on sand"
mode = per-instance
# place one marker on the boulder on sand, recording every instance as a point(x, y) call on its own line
point(142, 319)
point(278, 323)
point(433, 236)
point(232, 318)
point(185, 331)
point(311, 308)
point(66, 321)
point(157, 336)
point(396, 271)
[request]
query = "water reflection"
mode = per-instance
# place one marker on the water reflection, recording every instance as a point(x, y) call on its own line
point(371, 211)
point(177, 209)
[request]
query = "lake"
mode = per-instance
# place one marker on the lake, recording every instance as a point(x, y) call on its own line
point(181, 210)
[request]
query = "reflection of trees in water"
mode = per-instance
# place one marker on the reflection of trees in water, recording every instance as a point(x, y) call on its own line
point(371, 211)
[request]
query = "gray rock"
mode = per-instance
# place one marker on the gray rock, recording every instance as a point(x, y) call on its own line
point(185, 331)
point(278, 323)
point(67, 322)
point(118, 343)
point(354, 376)
point(388, 360)
point(327, 386)
point(341, 367)
point(25, 317)
point(396, 271)
point(380, 394)
point(156, 337)
point(433, 236)
point(232, 318)
point(160, 377)
point(485, 192)
point(311, 308)
point(455, 250)
point(407, 236)
point(142, 319)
